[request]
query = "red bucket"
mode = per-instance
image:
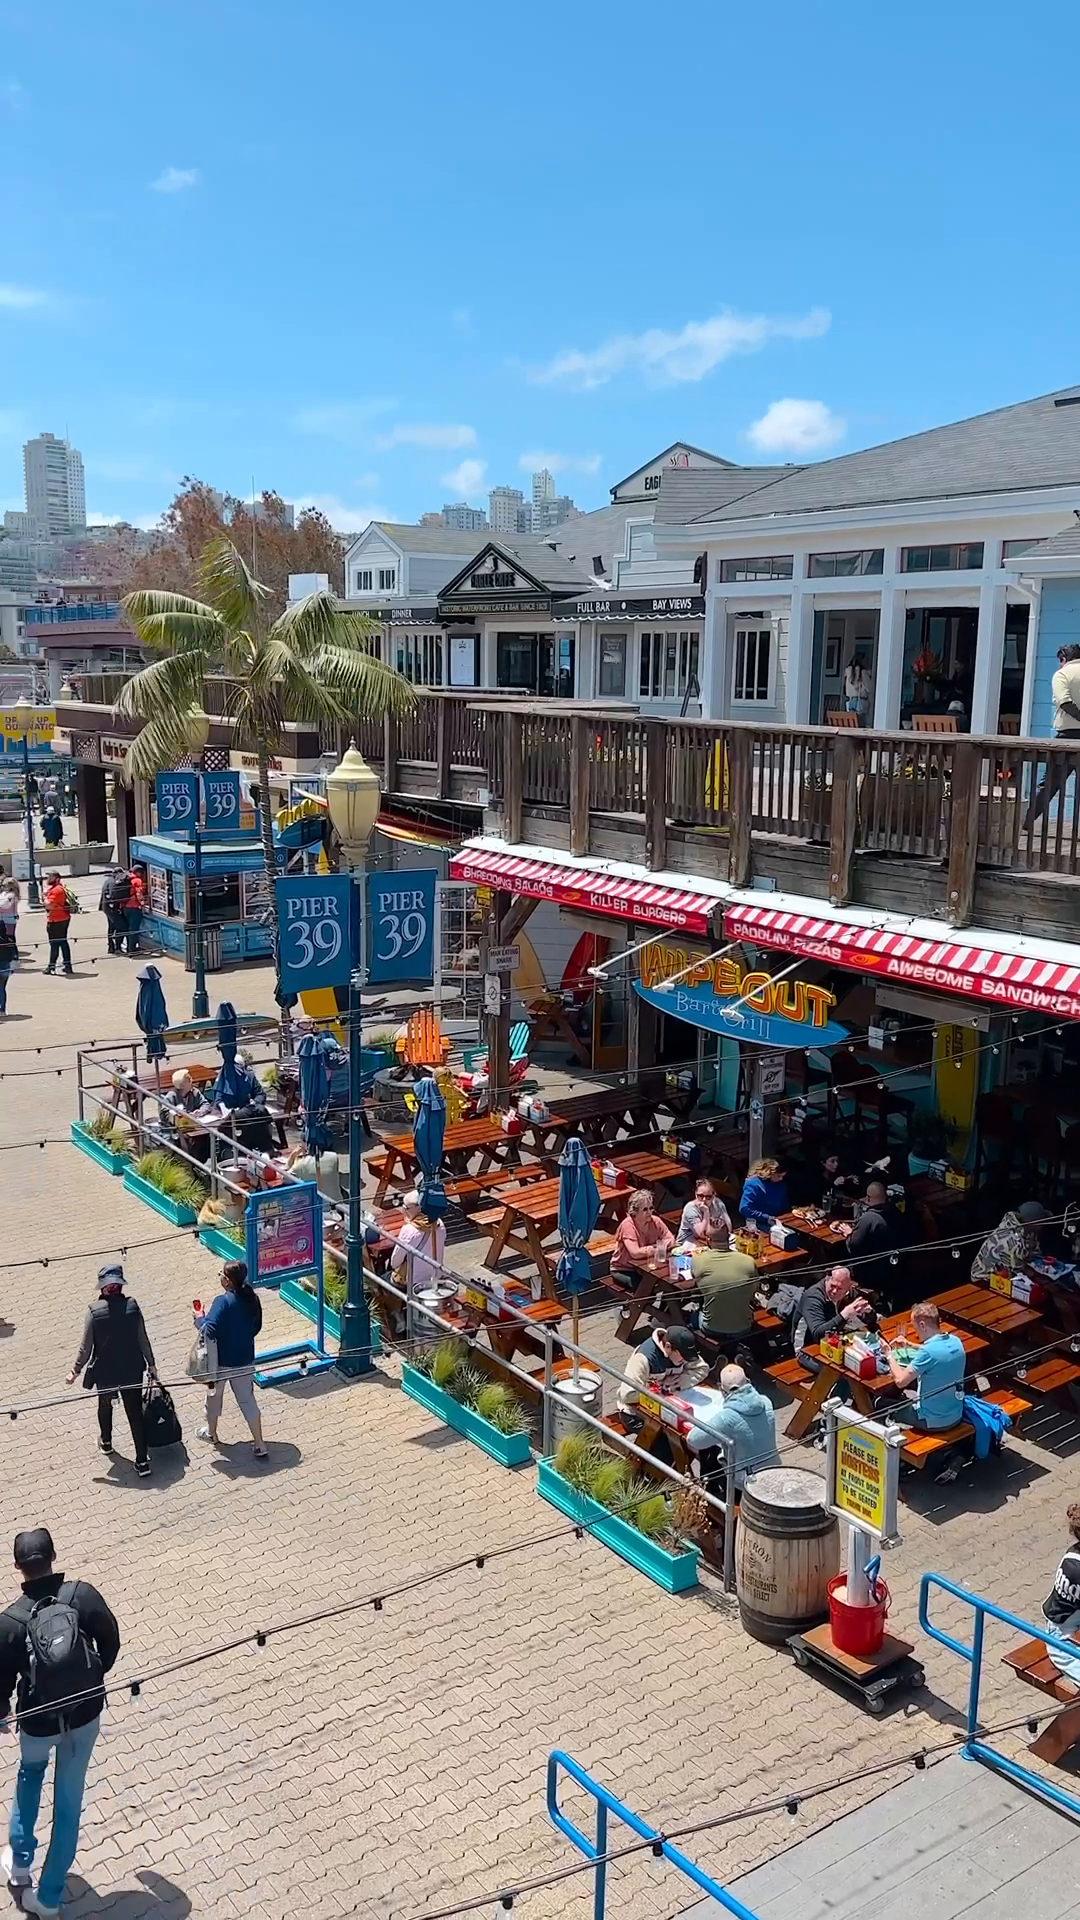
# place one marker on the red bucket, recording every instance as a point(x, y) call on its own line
point(857, 1630)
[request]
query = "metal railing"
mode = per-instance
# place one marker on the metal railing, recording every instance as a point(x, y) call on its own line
point(982, 1610)
point(607, 1804)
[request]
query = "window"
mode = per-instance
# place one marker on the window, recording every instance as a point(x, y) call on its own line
point(761, 566)
point(387, 579)
point(611, 670)
point(957, 558)
point(753, 660)
point(669, 665)
point(363, 580)
point(1010, 548)
point(834, 566)
point(420, 658)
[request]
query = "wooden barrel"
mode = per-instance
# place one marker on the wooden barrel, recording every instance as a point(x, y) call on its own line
point(787, 1549)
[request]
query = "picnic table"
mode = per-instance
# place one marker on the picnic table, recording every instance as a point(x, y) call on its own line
point(993, 1314)
point(530, 1216)
point(768, 1260)
point(649, 1169)
point(602, 1114)
point(825, 1239)
point(869, 1396)
point(468, 1139)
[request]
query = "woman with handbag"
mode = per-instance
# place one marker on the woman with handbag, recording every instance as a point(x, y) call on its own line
point(229, 1331)
point(117, 1347)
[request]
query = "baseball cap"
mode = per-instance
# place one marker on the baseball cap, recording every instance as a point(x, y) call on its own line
point(33, 1546)
point(111, 1276)
point(1031, 1211)
point(683, 1342)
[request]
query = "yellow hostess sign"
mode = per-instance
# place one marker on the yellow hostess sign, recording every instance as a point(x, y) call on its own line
point(35, 725)
point(720, 996)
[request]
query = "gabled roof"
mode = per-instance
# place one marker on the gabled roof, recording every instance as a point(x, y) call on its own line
point(1060, 546)
point(422, 539)
point(1033, 444)
point(600, 535)
point(543, 569)
point(688, 494)
point(674, 447)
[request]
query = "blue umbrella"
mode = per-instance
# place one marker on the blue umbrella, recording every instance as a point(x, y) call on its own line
point(232, 1088)
point(429, 1132)
point(314, 1093)
point(579, 1207)
point(151, 1014)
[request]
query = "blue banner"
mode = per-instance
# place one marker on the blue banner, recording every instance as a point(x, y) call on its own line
point(221, 800)
point(315, 921)
point(177, 796)
point(401, 907)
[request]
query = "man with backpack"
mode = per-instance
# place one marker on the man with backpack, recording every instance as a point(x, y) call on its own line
point(57, 1643)
point(117, 1346)
point(114, 903)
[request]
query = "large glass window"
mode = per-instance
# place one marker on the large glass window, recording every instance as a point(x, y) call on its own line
point(759, 566)
point(363, 580)
point(420, 658)
point(387, 579)
point(669, 665)
point(958, 557)
point(835, 566)
point(753, 664)
point(611, 666)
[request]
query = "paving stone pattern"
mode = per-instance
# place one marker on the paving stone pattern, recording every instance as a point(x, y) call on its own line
point(386, 1764)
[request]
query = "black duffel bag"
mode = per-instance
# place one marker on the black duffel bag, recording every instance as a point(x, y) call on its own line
point(163, 1427)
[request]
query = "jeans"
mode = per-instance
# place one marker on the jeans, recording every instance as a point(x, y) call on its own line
point(133, 920)
point(1053, 785)
point(4, 977)
point(73, 1752)
point(133, 1407)
point(57, 931)
point(117, 923)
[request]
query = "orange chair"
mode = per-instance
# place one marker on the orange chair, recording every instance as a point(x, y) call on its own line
point(422, 1043)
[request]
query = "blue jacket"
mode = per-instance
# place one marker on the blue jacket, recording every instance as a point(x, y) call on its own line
point(763, 1199)
point(991, 1424)
point(748, 1419)
point(234, 1325)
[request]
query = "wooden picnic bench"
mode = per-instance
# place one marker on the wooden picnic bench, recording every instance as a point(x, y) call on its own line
point(470, 1139)
point(866, 1394)
point(529, 1215)
point(922, 1448)
point(993, 1314)
point(1031, 1662)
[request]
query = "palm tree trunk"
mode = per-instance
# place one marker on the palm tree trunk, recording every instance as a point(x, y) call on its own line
point(262, 748)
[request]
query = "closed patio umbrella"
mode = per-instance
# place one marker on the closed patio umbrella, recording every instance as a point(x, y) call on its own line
point(579, 1208)
point(151, 1016)
point(232, 1088)
point(429, 1133)
point(314, 1094)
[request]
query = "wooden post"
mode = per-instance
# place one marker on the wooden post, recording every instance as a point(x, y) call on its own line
point(390, 753)
point(579, 783)
point(498, 1025)
point(442, 746)
point(513, 775)
point(738, 771)
point(844, 815)
point(655, 793)
point(967, 768)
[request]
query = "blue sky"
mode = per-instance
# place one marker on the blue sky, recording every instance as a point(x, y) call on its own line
point(383, 257)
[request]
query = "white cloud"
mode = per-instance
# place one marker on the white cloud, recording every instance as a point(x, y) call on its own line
point(176, 180)
point(560, 462)
point(447, 439)
point(18, 299)
point(797, 426)
point(147, 522)
point(343, 518)
point(466, 479)
point(667, 359)
point(350, 423)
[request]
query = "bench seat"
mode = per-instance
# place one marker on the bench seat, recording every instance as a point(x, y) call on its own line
point(923, 1447)
point(1032, 1664)
point(792, 1376)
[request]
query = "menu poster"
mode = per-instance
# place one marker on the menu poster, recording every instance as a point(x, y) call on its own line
point(284, 1233)
point(158, 882)
point(255, 896)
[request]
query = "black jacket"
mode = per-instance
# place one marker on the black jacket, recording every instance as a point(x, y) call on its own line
point(98, 1624)
point(116, 1344)
point(817, 1316)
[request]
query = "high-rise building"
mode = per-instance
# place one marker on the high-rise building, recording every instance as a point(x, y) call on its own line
point(19, 524)
point(506, 505)
point(543, 490)
point(55, 486)
point(463, 518)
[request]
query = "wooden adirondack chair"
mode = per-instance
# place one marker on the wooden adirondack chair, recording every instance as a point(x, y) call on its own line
point(422, 1043)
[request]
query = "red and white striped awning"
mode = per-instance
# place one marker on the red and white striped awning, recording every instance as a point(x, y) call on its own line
point(1012, 979)
point(574, 884)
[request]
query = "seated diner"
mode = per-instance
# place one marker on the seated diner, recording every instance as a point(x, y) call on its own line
point(705, 1221)
point(667, 1362)
point(728, 1282)
point(745, 1417)
point(764, 1194)
point(643, 1242)
point(1011, 1244)
point(832, 1305)
point(1061, 1608)
point(931, 1375)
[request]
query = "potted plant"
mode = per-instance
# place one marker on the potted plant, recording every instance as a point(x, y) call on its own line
point(104, 1140)
point(382, 1043)
point(168, 1186)
point(602, 1493)
point(928, 1141)
point(228, 1241)
point(485, 1411)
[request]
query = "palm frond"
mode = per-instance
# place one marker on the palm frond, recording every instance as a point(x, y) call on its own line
point(367, 685)
point(170, 685)
point(163, 742)
point(300, 686)
point(228, 583)
point(309, 624)
point(176, 621)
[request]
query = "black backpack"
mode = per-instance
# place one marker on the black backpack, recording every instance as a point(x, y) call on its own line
point(163, 1427)
point(118, 890)
point(61, 1663)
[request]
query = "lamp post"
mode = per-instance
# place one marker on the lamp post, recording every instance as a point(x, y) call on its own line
point(352, 798)
point(25, 726)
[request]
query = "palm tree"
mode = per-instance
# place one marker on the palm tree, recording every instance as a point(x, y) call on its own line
point(313, 664)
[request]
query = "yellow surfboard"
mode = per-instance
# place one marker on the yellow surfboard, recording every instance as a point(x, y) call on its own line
point(956, 1077)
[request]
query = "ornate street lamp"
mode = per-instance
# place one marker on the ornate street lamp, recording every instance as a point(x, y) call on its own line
point(352, 799)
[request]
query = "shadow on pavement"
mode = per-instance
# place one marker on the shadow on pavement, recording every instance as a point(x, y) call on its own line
point(236, 1461)
point(154, 1899)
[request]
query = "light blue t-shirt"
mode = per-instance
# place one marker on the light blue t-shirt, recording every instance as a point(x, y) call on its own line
point(939, 1366)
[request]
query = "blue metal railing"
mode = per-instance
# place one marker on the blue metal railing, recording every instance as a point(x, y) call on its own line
point(606, 1804)
point(974, 1748)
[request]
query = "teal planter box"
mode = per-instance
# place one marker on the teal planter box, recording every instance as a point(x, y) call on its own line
point(509, 1449)
point(86, 1143)
point(177, 1211)
point(675, 1572)
point(220, 1243)
point(294, 1295)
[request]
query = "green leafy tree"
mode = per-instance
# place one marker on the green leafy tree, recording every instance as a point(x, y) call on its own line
point(315, 663)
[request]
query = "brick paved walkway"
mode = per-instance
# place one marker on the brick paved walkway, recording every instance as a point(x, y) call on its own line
point(384, 1764)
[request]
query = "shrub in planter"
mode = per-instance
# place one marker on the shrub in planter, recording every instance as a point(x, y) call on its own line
point(182, 1192)
point(620, 1508)
point(443, 1379)
point(104, 1141)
